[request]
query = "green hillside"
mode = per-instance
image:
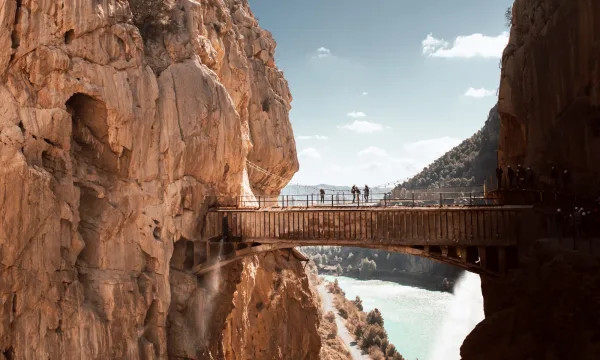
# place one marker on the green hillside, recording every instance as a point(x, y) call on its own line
point(467, 164)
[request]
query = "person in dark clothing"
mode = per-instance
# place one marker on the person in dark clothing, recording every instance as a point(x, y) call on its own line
point(520, 176)
point(566, 180)
point(554, 178)
point(530, 178)
point(499, 173)
point(357, 195)
point(366, 192)
point(354, 188)
point(511, 176)
point(322, 191)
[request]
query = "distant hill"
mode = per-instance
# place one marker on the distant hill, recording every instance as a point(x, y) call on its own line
point(297, 189)
point(467, 164)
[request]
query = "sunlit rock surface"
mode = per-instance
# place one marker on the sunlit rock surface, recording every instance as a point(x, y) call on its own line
point(111, 137)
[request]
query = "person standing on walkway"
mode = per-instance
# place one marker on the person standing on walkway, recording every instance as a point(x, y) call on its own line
point(322, 191)
point(530, 178)
point(520, 176)
point(511, 176)
point(366, 192)
point(499, 173)
point(354, 188)
point(357, 195)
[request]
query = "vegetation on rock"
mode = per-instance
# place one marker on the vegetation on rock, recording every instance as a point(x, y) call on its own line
point(367, 328)
point(467, 164)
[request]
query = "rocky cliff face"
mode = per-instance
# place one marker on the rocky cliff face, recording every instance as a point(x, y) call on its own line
point(549, 97)
point(275, 314)
point(112, 136)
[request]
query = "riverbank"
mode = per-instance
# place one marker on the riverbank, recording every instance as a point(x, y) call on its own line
point(367, 329)
point(342, 331)
point(422, 324)
point(417, 280)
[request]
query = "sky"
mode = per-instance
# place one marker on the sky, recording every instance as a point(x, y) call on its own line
point(382, 88)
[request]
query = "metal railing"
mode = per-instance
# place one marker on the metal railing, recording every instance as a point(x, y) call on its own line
point(345, 200)
point(442, 198)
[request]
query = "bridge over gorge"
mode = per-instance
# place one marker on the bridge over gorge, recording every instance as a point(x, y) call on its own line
point(483, 240)
point(472, 232)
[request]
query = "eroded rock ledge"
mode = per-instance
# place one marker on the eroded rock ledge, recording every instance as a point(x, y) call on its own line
point(111, 137)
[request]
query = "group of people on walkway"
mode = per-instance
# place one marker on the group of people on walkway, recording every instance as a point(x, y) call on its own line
point(526, 178)
point(580, 223)
point(355, 194)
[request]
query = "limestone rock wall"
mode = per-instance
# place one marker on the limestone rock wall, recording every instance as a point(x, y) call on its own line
point(549, 97)
point(548, 311)
point(112, 137)
point(276, 312)
point(549, 100)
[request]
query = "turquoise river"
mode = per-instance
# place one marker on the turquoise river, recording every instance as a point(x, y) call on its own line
point(424, 325)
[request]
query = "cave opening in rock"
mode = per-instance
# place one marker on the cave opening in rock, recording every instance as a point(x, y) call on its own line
point(69, 36)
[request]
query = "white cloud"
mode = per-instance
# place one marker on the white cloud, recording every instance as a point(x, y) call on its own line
point(365, 93)
point(356, 114)
point(362, 127)
point(475, 45)
point(310, 153)
point(426, 151)
point(322, 52)
point(479, 93)
point(312, 137)
point(373, 150)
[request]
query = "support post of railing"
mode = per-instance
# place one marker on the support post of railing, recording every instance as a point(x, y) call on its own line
point(287, 200)
point(331, 200)
point(413, 199)
point(441, 200)
point(471, 198)
point(312, 200)
point(357, 200)
point(384, 200)
point(307, 201)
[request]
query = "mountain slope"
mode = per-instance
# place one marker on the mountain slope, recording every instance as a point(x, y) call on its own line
point(467, 164)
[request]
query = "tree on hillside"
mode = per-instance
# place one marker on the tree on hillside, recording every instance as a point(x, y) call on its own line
point(358, 303)
point(366, 267)
point(467, 164)
point(374, 317)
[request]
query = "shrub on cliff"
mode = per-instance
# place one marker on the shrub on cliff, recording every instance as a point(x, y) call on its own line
point(338, 269)
point(330, 316)
point(358, 303)
point(151, 16)
point(375, 353)
point(374, 317)
point(373, 335)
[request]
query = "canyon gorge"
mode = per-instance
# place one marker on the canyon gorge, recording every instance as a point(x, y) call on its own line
point(123, 121)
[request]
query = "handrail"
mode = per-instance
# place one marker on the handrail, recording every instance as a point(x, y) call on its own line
point(430, 199)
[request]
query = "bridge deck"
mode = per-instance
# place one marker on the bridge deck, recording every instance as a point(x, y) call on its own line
point(465, 226)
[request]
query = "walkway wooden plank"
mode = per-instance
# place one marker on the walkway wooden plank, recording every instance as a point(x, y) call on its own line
point(418, 226)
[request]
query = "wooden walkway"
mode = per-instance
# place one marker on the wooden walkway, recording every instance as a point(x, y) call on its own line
point(480, 239)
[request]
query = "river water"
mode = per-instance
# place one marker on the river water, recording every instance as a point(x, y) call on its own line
point(424, 325)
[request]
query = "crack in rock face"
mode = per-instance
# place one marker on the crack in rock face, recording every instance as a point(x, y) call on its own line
point(118, 119)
